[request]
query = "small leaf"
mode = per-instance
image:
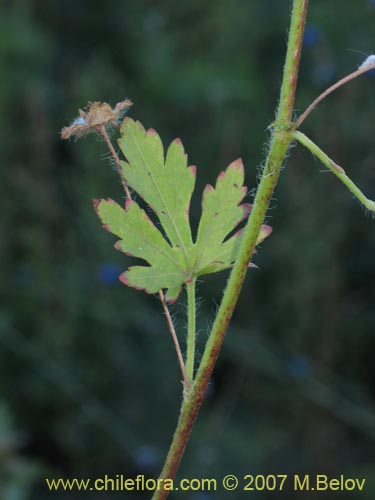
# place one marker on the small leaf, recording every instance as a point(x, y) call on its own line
point(221, 213)
point(166, 185)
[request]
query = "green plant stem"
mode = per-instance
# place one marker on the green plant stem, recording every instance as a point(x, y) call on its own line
point(282, 135)
point(336, 169)
point(190, 353)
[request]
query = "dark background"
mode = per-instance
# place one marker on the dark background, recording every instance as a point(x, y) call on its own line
point(89, 383)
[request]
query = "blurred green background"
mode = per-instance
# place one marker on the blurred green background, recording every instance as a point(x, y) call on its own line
point(89, 383)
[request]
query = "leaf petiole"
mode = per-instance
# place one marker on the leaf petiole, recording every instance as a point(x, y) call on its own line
point(190, 353)
point(102, 131)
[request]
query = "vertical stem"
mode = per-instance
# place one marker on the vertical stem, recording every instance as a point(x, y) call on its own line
point(281, 137)
point(190, 353)
point(292, 60)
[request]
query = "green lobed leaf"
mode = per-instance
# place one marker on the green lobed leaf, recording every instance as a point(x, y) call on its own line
point(166, 185)
point(221, 213)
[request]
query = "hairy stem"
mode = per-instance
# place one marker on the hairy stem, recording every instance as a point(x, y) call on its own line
point(190, 353)
point(280, 140)
point(336, 169)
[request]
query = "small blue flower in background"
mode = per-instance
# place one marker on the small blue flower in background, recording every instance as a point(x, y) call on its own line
point(147, 457)
point(324, 73)
point(109, 272)
point(371, 2)
point(298, 366)
point(312, 36)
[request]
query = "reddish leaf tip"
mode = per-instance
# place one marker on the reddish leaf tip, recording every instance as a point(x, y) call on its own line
point(117, 246)
point(193, 170)
point(151, 131)
point(172, 300)
point(139, 125)
point(179, 143)
point(96, 203)
point(267, 229)
point(237, 165)
point(124, 279)
point(126, 121)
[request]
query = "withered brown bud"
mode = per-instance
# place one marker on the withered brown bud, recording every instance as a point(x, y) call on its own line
point(97, 115)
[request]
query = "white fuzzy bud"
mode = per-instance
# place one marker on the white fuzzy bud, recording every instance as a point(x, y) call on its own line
point(369, 61)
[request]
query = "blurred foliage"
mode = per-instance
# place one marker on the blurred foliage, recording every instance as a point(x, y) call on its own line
point(87, 369)
point(17, 473)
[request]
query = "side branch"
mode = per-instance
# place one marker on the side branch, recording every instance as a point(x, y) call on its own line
point(336, 169)
point(360, 71)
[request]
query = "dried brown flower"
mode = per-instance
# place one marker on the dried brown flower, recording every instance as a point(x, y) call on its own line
point(96, 117)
